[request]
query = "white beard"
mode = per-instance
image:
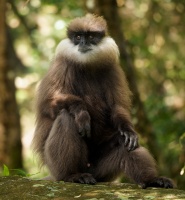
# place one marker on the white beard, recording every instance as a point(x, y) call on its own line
point(105, 51)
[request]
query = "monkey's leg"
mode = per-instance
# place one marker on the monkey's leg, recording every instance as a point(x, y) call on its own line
point(137, 165)
point(66, 151)
point(140, 166)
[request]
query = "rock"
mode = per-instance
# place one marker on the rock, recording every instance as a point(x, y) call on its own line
point(15, 187)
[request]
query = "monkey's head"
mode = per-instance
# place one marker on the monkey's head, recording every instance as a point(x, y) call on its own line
point(88, 41)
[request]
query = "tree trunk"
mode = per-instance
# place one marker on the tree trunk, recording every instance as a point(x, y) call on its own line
point(109, 9)
point(10, 130)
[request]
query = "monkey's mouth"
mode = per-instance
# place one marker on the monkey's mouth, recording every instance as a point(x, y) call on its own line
point(84, 49)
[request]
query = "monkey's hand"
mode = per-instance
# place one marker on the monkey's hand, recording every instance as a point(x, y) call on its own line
point(82, 120)
point(130, 138)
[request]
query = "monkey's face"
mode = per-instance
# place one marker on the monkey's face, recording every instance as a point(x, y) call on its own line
point(88, 48)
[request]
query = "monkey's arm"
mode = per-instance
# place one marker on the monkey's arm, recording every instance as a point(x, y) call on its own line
point(76, 107)
point(122, 122)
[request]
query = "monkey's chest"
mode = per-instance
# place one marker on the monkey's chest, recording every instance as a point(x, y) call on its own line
point(100, 113)
point(96, 92)
point(91, 85)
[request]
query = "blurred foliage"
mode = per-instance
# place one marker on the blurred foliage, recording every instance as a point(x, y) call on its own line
point(154, 31)
point(12, 172)
point(6, 171)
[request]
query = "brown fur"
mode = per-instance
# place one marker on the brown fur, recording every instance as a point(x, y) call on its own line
point(89, 23)
point(84, 131)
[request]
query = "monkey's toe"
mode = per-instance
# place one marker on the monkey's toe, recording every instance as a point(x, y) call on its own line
point(83, 178)
point(87, 179)
point(159, 182)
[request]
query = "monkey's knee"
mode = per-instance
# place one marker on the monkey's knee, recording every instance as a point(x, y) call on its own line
point(65, 123)
point(81, 122)
point(147, 172)
point(65, 117)
point(139, 165)
point(65, 151)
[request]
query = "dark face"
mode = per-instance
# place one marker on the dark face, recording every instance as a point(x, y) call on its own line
point(85, 40)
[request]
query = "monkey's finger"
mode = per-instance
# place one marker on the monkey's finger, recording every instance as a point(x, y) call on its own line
point(130, 146)
point(88, 130)
point(82, 132)
point(88, 133)
point(136, 144)
point(133, 143)
point(85, 132)
point(126, 138)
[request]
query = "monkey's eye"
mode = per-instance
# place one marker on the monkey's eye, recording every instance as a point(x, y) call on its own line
point(78, 37)
point(91, 37)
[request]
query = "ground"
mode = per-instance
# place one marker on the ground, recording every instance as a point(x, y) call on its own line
point(18, 188)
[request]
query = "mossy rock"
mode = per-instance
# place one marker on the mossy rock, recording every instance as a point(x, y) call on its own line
point(18, 188)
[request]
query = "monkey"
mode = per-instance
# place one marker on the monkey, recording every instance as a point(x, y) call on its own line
point(84, 133)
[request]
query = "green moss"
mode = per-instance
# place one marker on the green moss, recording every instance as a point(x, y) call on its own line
point(15, 187)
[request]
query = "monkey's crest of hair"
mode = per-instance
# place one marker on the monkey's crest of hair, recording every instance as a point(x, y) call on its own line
point(87, 23)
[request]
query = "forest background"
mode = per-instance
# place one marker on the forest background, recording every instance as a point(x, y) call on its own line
point(151, 38)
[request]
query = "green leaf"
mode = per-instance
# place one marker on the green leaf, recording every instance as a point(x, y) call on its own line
point(19, 172)
point(6, 171)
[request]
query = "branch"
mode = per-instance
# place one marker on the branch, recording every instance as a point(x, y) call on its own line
point(23, 21)
point(13, 60)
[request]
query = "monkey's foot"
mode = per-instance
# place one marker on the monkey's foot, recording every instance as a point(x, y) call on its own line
point(84, 178)
point(159, 182)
